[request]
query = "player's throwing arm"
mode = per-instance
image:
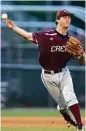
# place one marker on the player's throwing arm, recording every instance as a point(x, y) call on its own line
point(11, 25)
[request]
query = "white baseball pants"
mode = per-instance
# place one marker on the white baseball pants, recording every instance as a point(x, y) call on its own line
point(60, 87)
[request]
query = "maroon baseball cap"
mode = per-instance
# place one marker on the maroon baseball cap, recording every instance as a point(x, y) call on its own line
point(63, 13)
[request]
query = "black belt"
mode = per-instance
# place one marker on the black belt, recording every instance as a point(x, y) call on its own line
point(52, 72)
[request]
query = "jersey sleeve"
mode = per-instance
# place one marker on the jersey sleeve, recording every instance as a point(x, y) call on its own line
point(38, 37)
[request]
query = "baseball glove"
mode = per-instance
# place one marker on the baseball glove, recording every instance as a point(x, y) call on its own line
point(74, 47)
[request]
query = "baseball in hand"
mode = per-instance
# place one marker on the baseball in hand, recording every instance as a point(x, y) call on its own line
point(4, 16)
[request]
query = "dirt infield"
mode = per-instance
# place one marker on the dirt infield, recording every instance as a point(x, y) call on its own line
point(33, 122)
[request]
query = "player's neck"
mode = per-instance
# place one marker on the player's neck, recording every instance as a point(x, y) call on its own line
point(61, 30)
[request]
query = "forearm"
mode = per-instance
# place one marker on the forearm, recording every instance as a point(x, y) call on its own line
point(82, 59)
point(22, 32)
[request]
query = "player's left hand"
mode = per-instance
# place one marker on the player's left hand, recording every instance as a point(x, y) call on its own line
point(74, 47)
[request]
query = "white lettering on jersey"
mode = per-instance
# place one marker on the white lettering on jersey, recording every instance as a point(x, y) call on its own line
point(51, 34)
point(58, 48)
point(51, 38)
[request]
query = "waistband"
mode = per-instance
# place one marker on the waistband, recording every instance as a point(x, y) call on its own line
point(53, 71)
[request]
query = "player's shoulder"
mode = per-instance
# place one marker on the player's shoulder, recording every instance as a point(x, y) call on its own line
point(46, 31)
point(69, 35)
point(50, 31)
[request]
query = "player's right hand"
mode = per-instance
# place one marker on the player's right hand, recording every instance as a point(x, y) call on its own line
point(9, 23)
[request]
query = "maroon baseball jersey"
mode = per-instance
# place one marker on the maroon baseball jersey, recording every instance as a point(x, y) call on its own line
point(51, 45)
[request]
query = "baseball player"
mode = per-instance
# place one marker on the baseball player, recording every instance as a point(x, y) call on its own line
point(56, 48)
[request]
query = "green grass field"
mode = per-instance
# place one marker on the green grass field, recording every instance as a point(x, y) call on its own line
point(34, 112)
point(38, 129)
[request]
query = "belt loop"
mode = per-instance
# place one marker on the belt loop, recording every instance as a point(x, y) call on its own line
point(52, 72)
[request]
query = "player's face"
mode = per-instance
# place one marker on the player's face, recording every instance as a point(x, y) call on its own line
point(64, 21)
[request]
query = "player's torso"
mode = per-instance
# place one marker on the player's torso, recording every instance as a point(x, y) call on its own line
point(53, 43)
point(52, 50)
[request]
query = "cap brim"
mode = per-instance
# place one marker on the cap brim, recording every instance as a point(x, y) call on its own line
point(69, 14)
